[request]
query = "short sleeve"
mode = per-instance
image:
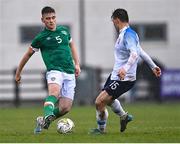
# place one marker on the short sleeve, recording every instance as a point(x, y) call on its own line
point(70, 40)
point(68, 33)
point(36, 43)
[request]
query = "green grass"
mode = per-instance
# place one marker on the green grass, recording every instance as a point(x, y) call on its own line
point(152, 123)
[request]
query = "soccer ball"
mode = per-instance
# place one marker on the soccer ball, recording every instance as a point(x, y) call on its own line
point(65, 125)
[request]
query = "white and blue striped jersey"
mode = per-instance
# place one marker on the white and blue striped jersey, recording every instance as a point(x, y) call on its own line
point(127, 51)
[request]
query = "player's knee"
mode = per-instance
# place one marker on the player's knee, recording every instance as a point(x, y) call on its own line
point(55, 93)
point(98, 103)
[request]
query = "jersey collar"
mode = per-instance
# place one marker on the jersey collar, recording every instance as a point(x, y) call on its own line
point(123, 29)
point(49, 29)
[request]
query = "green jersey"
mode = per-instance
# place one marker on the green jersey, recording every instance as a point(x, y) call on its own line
point(55, 49)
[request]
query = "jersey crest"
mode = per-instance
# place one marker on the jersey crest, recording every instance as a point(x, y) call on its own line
point(64, 32)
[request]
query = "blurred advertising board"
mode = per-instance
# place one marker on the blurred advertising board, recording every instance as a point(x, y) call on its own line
point(170, 84)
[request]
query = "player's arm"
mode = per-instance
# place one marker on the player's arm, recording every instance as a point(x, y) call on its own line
point(22, 63)
point(75, 58)
point(156, 70)
point(132, 59)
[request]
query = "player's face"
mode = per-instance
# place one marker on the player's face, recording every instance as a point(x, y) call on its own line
point(49, 20)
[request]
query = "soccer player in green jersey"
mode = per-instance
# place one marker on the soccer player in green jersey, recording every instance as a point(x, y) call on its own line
point(61, 59)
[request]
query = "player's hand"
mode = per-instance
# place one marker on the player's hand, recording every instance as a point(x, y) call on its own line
point(157, 71)
point(18, 79)
point(122, 73)
point(77, 70)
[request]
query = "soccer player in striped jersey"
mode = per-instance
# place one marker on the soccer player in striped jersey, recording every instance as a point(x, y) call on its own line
point(61, 59)
point(127, 51)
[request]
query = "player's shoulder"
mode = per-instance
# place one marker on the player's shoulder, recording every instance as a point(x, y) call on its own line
point(40, 34)
point(130, 32)
point(62, 28)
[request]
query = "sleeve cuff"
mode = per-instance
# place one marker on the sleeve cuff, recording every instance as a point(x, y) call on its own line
point(35, 49)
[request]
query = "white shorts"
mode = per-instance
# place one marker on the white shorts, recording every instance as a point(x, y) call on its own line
point(66, 81)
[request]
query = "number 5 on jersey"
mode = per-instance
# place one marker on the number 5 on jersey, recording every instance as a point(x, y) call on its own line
point(58, 38)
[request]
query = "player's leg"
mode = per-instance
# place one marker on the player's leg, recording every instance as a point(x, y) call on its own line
point(54, 80)
point(117, 108)
point(116, 89)
point(101, 112)
point(124, 116)
point(66, 95)
point(50, 102)
point(65, 105)
point(49, 106)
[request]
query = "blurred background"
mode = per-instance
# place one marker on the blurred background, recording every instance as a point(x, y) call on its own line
point(156, 22)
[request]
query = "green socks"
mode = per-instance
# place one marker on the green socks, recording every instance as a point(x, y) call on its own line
point(49, 105)
point(57, 112)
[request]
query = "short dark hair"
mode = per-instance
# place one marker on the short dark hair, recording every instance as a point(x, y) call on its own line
point(120, 14)
point(47, 9)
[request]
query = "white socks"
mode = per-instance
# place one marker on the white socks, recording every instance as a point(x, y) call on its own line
point(117, 108)
point(102, 119)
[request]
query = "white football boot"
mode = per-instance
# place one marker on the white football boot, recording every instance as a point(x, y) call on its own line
point(39, 125)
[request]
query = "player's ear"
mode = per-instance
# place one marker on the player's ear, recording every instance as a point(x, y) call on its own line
point(42, 19)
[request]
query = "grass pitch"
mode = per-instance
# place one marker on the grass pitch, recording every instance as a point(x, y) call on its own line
point(152, 123)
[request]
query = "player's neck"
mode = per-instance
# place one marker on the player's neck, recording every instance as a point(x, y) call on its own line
point(51, 29)
point(122, 26)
